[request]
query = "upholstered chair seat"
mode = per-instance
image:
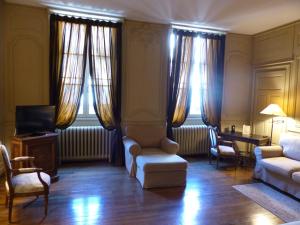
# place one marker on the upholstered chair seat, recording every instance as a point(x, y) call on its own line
point(28, 182)
point(224, 150)
point(221, 148)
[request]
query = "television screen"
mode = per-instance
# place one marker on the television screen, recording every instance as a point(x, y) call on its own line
point(35, 119)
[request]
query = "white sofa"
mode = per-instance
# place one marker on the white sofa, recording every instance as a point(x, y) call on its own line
point(280, 165)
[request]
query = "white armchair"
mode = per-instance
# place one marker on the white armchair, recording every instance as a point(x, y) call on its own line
point(144, 140)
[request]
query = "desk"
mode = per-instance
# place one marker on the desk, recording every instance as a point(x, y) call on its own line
point(246, 156)
point(257, 140)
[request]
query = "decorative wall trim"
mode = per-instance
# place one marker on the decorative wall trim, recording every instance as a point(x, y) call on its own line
point(144, 98)
point(274, 46)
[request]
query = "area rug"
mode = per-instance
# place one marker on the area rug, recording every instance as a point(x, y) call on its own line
point(283, 206)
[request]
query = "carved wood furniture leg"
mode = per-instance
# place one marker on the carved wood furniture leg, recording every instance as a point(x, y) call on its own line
point(11, 199)
point(46, 204)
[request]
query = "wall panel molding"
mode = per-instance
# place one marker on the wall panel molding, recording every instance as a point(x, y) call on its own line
point(271, 85)
point(294, 121)
point(26, 72)
point(145, 73)
point(274, 46)
point(297, 39)
point(237, 81)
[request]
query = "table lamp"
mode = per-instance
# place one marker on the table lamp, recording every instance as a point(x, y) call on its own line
point(273, 110)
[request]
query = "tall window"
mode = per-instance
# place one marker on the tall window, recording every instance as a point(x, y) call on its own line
point(86, 109)
point(198, 70)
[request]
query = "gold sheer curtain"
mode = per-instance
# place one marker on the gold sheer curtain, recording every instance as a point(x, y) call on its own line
point(103, 60)
point(179, 83)
point(213, 48)
point(105, 69)
point(68, 46)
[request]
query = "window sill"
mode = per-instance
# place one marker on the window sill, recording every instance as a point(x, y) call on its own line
point(86, 121)
point(193, 120)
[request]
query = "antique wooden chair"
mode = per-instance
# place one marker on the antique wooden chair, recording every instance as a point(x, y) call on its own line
point(24, 182)
point(221, 148)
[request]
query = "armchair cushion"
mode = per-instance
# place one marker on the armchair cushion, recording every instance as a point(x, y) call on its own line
point(29, 182)
point(169, 146)
point(281, 165)
point(161, 162)
point(152, 151)
point(146, 135)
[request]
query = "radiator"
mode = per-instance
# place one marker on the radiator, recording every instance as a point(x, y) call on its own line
point(192, 139)
point(84, 143)
point(94, 143)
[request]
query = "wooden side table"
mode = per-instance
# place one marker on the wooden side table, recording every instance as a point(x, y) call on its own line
point(43, 148)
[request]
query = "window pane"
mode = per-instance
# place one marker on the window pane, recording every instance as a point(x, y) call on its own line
point(195, 95)
point(90, 97)
point(196, 79)
point(80, 111)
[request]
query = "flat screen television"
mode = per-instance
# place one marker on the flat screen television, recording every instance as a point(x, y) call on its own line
point(35, 119)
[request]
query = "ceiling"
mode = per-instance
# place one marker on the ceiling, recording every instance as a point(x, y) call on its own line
point(237, 16)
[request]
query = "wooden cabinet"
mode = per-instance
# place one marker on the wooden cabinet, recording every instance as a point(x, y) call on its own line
point(43, 148)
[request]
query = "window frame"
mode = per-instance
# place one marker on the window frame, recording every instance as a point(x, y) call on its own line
point(86, 119)
point(192, 119)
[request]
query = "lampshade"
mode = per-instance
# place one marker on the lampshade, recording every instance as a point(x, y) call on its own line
point(273, 110)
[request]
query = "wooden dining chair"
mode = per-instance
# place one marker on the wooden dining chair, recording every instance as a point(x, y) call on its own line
point(24, 182)
point(220, 148)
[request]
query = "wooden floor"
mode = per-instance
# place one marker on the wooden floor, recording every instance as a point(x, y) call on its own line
point(97, 193)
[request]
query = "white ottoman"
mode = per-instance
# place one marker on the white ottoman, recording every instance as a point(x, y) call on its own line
point(161, 170)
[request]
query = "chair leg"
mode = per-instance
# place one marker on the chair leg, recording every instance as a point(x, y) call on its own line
point(46, 204)
point(10, 200)
point(218, 159)
point(6, 201)
point(209, 157)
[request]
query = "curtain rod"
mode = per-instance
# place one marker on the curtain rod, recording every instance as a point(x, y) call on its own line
point(86, 15)
point(196, 28)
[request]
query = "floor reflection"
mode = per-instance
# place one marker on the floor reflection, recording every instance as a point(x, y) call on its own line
point(191, 206)
point(262, 219)
point(86, 210)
